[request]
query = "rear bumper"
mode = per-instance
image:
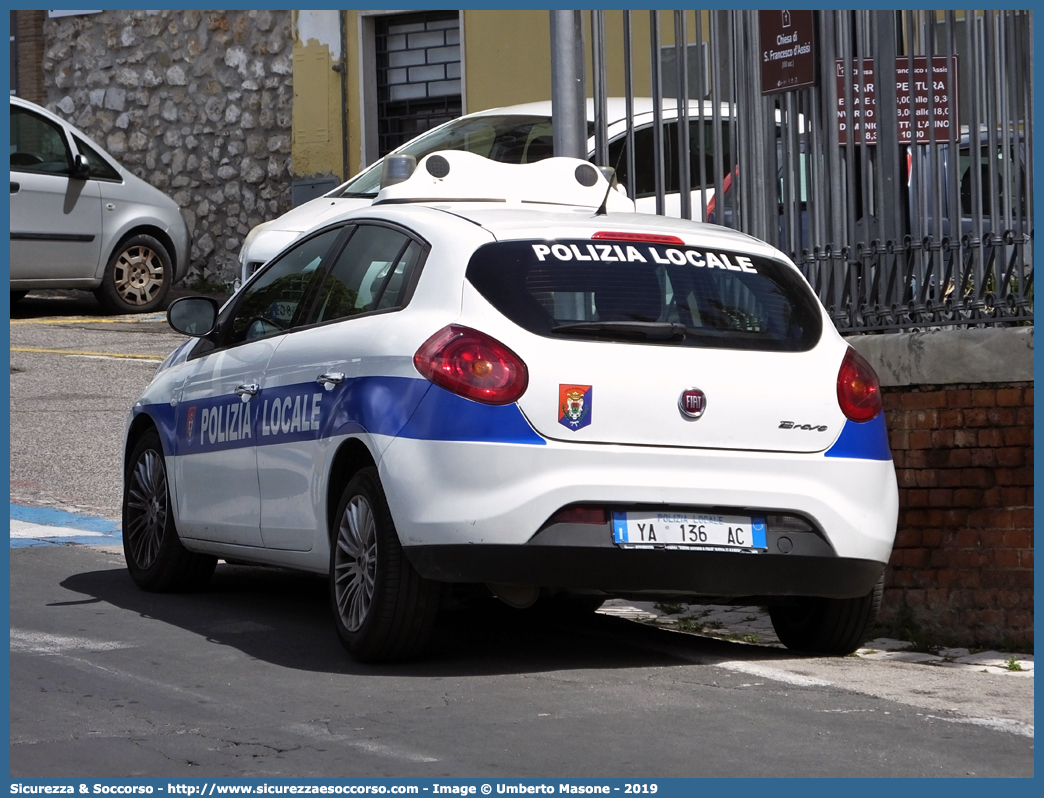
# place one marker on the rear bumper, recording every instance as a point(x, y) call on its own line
point(618, 571)
point(452, 493)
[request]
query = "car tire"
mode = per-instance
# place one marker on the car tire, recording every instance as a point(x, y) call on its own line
point(156, 559)
point(827, 626)
point(17, 296)
point(137, 278)
point(383, 609)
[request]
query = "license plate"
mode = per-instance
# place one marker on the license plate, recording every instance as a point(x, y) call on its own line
point(649, 530)
point(283, 311)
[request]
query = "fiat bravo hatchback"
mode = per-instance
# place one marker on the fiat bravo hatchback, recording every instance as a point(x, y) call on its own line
point(501, 375)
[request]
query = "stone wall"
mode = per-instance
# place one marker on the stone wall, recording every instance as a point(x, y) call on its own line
point(197, 103)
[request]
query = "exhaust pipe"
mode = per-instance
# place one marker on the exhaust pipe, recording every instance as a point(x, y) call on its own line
point(517, 596)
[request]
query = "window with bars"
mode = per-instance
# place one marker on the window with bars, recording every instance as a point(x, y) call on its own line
point(418, 75)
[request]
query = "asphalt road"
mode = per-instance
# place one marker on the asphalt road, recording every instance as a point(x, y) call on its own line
point(248, 679)
point(74, 375)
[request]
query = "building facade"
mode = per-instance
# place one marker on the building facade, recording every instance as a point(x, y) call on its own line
point(197, 103)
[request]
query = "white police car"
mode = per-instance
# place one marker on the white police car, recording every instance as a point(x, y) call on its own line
point(487, 377)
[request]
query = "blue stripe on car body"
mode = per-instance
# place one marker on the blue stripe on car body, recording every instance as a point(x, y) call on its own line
point(866, 441)
point(391, 406)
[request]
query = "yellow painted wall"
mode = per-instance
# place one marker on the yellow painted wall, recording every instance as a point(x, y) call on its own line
point(354, 93)
point(508, 54)
point(316, 116)
point(507, 58)
point(641, 66)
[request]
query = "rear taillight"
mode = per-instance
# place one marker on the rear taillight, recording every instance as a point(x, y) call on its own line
point(858, 389)
point(472, 364)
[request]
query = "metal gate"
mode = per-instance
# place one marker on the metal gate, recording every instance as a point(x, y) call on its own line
point(916, 211)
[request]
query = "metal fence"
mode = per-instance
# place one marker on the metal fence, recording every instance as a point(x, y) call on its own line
point(895, 230)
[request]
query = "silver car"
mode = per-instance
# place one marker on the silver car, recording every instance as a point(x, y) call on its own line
point(80, 220)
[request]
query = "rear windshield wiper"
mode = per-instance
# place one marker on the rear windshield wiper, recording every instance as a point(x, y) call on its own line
point(663, 330)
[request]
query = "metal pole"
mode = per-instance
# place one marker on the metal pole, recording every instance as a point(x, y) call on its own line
point(719, 162)
point(599, 77)
point(975, 55)
point(568, 115)
point(835, 191)
point(889, 182)
point(629, 101)
point(657, 98)
point(681, 61)
point(701, 80)
point(1027, 126)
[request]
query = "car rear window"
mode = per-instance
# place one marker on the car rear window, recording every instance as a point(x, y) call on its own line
point(513, 138)
point(637, 292)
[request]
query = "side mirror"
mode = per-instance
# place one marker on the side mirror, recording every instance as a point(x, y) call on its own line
point(81, 169)
point(193, 315)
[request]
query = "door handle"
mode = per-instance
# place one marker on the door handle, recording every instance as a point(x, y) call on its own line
point(244, 392)
point(15, 187)
point(330, 379)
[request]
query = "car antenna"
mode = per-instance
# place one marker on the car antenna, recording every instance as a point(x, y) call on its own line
point(610, 175)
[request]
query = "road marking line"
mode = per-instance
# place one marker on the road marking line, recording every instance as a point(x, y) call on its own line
point(21, 529)
point(90, 320)
point(45, 526)
point(44, 643)
point(123, 676)
point(78, 353)
point(997, 724)
point(369, 746)
point(121, 358)
point(775, 674)
point(51, 516)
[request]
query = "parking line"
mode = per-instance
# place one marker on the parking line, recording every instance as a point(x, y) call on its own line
point(78, 353)
point(90, 320)
point(42, 526)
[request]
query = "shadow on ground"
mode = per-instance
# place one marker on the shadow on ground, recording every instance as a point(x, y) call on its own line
point(283, 617)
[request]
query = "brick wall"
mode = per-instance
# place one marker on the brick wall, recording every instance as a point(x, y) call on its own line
point(963, 558)
point(30, 55)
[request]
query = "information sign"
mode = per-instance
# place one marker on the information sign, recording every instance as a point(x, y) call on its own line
point(788, 52)
point(918, 115)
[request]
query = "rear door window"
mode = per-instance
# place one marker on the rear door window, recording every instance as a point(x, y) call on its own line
point(648, 294)
point(372, 272)
point(701, 146)
point(273, 302)
point(987, 190)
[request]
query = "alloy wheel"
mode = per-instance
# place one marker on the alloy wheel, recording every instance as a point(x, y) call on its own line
point(147, 508)
point(355, 563)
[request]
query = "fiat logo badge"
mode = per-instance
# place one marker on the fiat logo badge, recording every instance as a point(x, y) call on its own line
point(692, 402)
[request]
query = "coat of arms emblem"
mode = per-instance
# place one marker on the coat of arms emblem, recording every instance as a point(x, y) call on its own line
point(574, 406)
